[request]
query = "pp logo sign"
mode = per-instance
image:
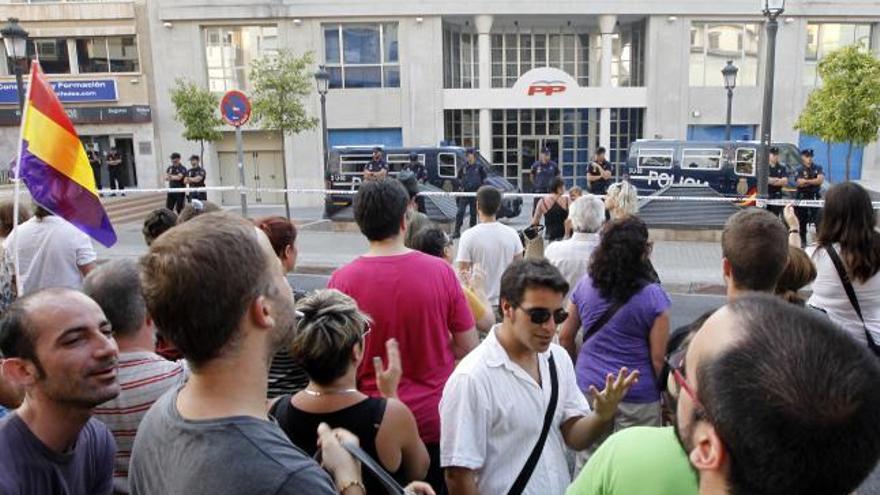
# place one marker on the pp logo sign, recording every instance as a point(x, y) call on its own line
point(547, 88)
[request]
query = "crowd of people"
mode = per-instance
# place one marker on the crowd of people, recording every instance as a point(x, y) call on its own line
point(474, 368)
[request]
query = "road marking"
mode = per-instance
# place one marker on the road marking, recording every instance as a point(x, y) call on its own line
point(315, 222)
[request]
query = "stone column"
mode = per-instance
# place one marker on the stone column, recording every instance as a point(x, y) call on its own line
point(483, 23)
point(606, 29)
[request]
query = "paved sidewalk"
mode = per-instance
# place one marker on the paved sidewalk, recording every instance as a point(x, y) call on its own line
point(684, 267)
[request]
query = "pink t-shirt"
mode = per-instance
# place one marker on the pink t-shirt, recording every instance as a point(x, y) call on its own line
point(416, 299)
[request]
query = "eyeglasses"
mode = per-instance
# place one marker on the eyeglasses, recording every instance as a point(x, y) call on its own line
point(676, 363)
point(539, 316)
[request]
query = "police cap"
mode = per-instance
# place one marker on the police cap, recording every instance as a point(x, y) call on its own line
point(807, 152)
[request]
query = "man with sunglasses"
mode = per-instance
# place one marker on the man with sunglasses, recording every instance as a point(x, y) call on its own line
point(512, 406)
point(776, 399)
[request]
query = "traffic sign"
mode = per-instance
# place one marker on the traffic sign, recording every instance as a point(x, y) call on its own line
point(235, 108)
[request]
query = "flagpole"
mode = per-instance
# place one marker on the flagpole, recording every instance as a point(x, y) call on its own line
point(35, 66)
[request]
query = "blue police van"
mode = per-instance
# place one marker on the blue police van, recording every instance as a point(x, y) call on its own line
point(728, 167)
point(345, 172)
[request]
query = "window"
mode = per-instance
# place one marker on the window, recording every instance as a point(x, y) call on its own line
point(745, 161)
point(229, 51)
point(627, 56)
point(460, 59)
point(362, 55)
point(462, 128)
point(713, 44)
point(396, 161)
point(701, 159)
point(353, 164)
point(446, 166)
point(626, 127)
point(823, 38)
point(111, 54)
point(655, 158)
point(51, 52)
point(514, 54)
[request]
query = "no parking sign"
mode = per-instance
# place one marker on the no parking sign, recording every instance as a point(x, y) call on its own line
point(235, 108)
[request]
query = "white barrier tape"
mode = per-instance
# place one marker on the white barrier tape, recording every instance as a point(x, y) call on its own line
point(809, 203)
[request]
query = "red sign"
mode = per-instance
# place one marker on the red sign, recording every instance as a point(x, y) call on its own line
point(547, 88)
point(235, 108)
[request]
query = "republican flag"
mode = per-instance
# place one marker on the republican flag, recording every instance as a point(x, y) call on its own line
point(53, 163)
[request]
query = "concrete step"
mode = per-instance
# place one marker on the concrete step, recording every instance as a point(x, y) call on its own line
point(132, 208)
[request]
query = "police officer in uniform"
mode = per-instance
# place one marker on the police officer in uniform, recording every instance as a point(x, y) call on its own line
point(599, 173)
point(543, 171)
point(116, 168)
point(195, 177)
point(376, 168)
point(809, 181)
point(420, 172)
point(175, 175)
point(777, 179)
point(95, 161)
point(470, 177)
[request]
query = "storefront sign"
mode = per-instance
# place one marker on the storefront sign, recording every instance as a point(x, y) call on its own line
point(544, 81)
point(77, 91)
point(134, 114)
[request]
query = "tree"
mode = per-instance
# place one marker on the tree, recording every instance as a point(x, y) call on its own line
point(280, 81)
point(196, 108)
point(846, 108)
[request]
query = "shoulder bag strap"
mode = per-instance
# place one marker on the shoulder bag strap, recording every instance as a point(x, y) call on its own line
point(851, 294)
point(280, 410)
point(523, 479)
point(605, 318)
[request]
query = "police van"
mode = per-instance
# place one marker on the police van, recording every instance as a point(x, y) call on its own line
point(728, 167)
point(346, 165)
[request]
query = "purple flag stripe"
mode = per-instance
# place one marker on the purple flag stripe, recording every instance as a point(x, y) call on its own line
point(64, 197)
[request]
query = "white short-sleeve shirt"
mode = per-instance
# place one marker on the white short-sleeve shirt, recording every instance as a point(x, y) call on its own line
point(491, 416)
point(572, 256)
point(50, 252)
point(493, 246)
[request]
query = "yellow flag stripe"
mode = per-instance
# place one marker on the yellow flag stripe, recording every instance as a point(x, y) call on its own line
point(58, 148)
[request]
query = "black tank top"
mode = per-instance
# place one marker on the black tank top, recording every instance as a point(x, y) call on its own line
point(554, 221)
point(362, 419)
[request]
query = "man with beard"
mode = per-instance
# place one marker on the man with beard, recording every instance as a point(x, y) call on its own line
point(776, 399)
point(59, 347)
point(212, 435)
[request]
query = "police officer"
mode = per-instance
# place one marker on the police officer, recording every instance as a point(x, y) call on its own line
point(809, 181)
point(470, 177)
point(116, 168)
point(599, 173)
point(777, 179)
point(376, 168)
point(195, 177)
point(542, 173)
point(95, 161)
point(420, 173)
point(175, 175)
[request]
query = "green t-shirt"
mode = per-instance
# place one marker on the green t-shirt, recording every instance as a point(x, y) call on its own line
point(638, 461)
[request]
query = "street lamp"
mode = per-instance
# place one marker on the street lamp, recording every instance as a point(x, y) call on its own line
point(15, 39)
point(729, 72)
point(771, 9)
point(322, 80)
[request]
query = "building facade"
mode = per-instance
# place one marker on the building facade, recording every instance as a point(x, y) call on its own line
point(97, 55)
point(508, 78)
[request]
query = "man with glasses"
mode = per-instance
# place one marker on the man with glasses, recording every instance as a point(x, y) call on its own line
point(512, 406)
point(776, 399)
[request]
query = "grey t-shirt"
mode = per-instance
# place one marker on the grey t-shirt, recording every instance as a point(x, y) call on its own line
point(233, 455)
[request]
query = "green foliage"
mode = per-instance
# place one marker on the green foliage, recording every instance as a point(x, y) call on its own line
point(197, 109)
point(846, 108)
point(280, 82)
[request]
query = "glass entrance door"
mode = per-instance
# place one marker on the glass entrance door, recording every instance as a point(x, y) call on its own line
point(529, 150)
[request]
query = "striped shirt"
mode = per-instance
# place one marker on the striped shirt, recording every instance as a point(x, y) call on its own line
point(286, 376)
point(143, 377)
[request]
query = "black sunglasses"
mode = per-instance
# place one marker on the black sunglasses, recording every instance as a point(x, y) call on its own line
point(539, 316)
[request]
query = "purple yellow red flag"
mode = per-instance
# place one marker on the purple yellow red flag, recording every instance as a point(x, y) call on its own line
point(53, 163)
